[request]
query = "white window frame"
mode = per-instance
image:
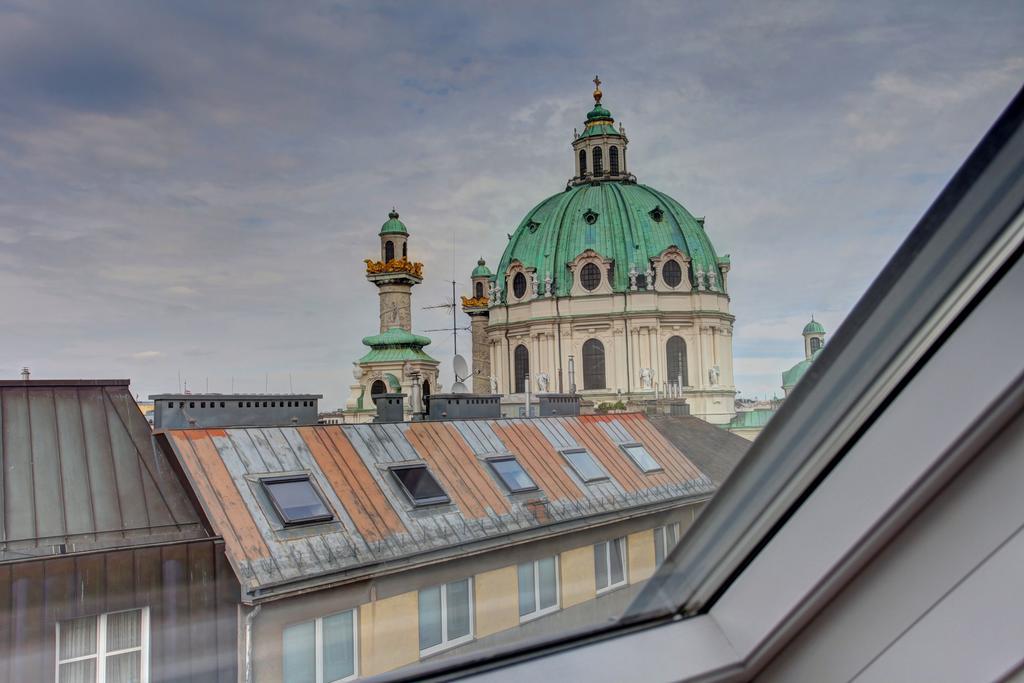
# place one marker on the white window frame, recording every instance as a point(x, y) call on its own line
point(633, 459)
point(318, 644)
point(541, 611)
point(101, 654)
point(661, 538)
point(621, 540)
point(446, 644)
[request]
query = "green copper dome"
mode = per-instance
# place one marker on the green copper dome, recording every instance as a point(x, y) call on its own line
point(814, 327)
point(393, 226)
point(792, 376)
point(481, 269)
point(624, 221)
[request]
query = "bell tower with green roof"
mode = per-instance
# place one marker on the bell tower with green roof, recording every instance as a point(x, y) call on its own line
point(396, 361)
point(600, 150)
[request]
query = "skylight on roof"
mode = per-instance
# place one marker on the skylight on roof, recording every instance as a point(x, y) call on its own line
point(512, 474)
point(296, 500)
point(419, 484)
point(641, 457)
point(583, 463)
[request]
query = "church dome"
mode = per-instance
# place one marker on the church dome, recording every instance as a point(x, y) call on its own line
point(393, 226)
point(481, 269)
point(814, 327)
point(620, 220)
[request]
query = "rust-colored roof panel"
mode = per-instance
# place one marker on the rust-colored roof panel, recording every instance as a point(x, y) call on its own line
point(544, 465)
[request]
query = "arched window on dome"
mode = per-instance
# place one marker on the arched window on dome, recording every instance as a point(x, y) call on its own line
point(675, 350)
point(815, 344)
point(389, 251)
point(519, 285)
point(521, 359)
point(598, 161)
point(583, 162)
point(593, 364)
point(378, 387)
point(613, 159)
point(479, 290)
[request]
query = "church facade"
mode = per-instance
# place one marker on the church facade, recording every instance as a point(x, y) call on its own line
point(610, 288)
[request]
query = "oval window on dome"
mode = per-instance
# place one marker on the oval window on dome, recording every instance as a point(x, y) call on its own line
point(519, 285)
point(672, 273)
point(590, 277)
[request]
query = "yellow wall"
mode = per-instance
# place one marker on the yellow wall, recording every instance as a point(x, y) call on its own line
point(578, 581)
point(497, 601)
point(640, 547)
point(389, 634)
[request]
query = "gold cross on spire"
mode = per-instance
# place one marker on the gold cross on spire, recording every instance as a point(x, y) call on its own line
point(597, 90)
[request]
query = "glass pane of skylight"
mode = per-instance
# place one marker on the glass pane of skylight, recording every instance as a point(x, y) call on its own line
point(512, 474)
point(420, 485)
point(642, 458)
point(297, 500)
point(584, 464)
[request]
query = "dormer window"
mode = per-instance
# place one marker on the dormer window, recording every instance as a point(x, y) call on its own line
point(656, 214)
point(590, 217)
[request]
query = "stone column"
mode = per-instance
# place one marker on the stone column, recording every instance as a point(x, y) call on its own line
point(395, 306)
point(481, 355)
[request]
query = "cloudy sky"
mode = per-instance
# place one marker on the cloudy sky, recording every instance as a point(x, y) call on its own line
point(191, 186)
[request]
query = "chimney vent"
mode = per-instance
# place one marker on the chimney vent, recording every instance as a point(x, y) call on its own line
point(24, 374)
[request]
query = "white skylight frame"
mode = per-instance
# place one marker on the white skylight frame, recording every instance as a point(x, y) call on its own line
point(638, 459)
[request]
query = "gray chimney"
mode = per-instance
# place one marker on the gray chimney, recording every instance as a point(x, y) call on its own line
point(24, 374)
point(390, 407)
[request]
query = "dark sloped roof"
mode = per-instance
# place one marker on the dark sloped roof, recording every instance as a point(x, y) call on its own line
point(714, 450)
point(80, 469)
point(376, 526)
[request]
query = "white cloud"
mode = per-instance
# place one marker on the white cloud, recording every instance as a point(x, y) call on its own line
point(148, 355)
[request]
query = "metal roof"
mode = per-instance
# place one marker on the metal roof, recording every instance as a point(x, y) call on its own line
point(376, 526)
point(80, 470)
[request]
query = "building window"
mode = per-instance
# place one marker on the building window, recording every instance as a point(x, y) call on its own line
point(479, 290)
point(583, 162)
point(171, 404)
point(405, 249)
point(426, 389)
point(248, 404)
point(240, 404)
point(191, 404)
point(264, 404)
point(665, 538)
point(322, 650)
point(446, 616)
point(419, 484)
point(815, 344)
point(519, 285)
point(613, 160)
point(521, 358)
point(296, 500)
point(590, 277)
point(108, 647)
point(671, 273)
point(222, 404)
point(584, 465)
point(389, 251)
point(512, 474)
point(378, 387)
point(273, 404)
point(675, 349)
point(538, 588)
point(639, 455)
point(598, 161)
point(593, 364)
point(610, 564)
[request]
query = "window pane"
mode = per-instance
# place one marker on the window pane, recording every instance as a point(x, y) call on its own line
point(659, 545)
point(615, 548)
point(548, 582)
point(585, 466)
point(125, 668)
point(601, 565)
point(458, 609)
point(642, 458)
point(83, 671)
point(672, 532)
point(339, 646)
point(430, 617)
point(526, 589)
point(78, 638)
point(124, 630)
point(300, 653)
point(297, 500)
point(512, 475)
point(420, 484)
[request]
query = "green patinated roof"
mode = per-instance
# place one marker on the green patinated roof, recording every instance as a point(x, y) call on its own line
point(393, 225)
point(814, 327)
point(598, 112)
point(751, 419)
point(481, 269)
point(396, 344)
point(792, 376)
point(600, 122)
point(555, 232)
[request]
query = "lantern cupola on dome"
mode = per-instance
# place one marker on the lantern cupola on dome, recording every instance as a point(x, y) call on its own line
point(599, 152)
